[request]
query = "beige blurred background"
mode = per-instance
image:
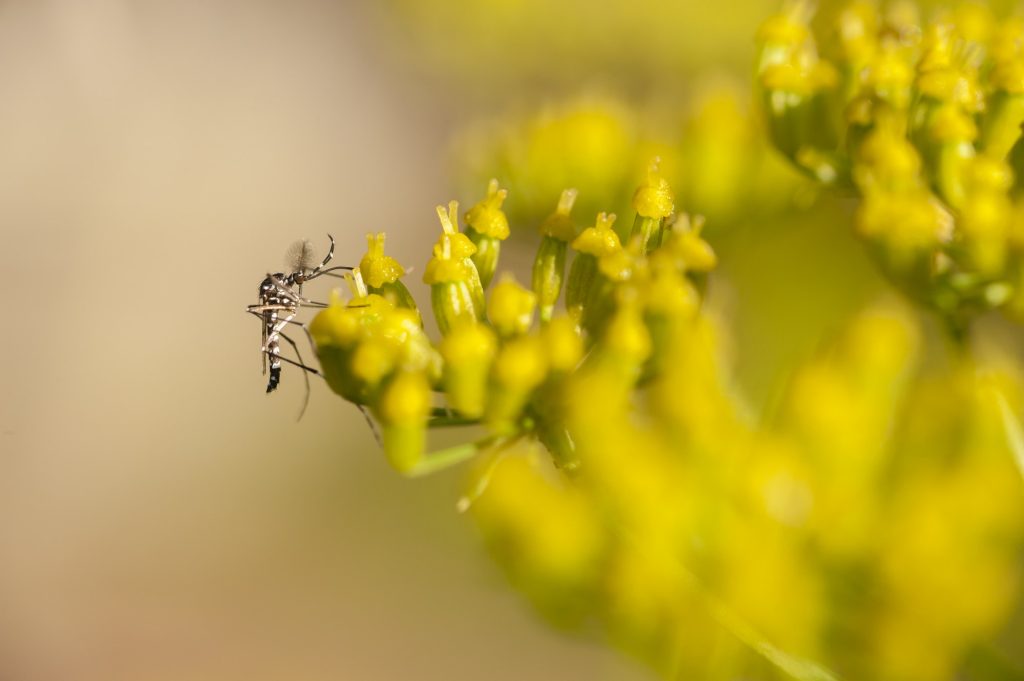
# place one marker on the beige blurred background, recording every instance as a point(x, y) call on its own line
point(160, 516)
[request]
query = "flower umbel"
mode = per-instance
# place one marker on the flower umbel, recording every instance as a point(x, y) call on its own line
point(869, 522)
point(923, 121)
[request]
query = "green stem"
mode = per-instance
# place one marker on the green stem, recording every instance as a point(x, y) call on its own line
point(446, 458)
point(451, 422)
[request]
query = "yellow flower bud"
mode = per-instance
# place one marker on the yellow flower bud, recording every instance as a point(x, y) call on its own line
point(593, 243)
point(886, 159)
point(488, 227)
point(783, 35)
point(455, 291)
point(667, 292)
point(468, 351)
point(686, 244)
point(889, 76)
point(403, 409)
point(857, 29)
point(653, 202)
point(445, 267)
point(401, 332)
point(521, 364)
point(951, 124)
point(549, 536)
point(379, 269)
point(337, 324)
point(486, 217)
point(342, 322)
point(510, 308)
point(563, 344)
point(600, 239)
point(519, 368)
point(788, 28)
point(626, 338)
point(559, 225)
point(383, 274)
point(621, 265)
point(371, 362)
point(461, 245)
point(908, 226)
point(453, 245)
point(654, 198)
point(985, 216)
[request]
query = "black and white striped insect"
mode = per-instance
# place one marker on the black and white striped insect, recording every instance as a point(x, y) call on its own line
point(280, 299)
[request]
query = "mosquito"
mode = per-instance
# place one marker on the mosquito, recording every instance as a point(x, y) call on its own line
point(280, 299)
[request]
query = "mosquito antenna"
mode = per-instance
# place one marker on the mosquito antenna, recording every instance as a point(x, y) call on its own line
point(299, 256)
point(330, 254)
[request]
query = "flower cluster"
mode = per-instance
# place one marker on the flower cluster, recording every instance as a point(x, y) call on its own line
point(711, 150)
point(923, 122)
point(871, 523)
point(507, 351)
point(869, 529)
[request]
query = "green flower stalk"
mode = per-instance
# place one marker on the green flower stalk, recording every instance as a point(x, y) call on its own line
point(456, 293)
point(592, 244)
point(556, 231)
point(1001, 124)
point(653, 202)
point(487, 227)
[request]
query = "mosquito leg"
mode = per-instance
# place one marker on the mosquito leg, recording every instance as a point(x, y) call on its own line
point(373, 426)
point(301, 325)
point(300, 365)
point(330, 271)
point(277, 327)
point(280, 321)
point(286, 291)
point(305, 375)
